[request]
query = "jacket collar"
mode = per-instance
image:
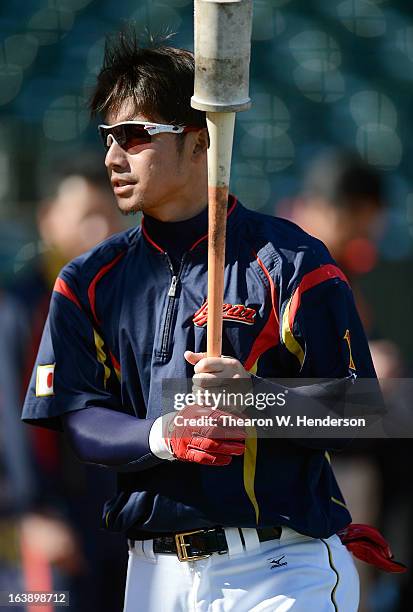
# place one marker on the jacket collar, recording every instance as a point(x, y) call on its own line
point(233, 209)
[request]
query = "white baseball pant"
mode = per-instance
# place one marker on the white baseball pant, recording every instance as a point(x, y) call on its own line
point(295, 572)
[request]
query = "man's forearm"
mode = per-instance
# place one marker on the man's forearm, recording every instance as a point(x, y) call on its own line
point(111, 439)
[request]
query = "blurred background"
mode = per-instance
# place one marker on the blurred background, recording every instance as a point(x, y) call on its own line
point(326, 144)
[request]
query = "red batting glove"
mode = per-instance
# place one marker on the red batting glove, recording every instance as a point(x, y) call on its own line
point(367, 544)
point(207, 443)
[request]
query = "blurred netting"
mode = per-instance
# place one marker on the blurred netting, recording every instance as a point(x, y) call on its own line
point(323, 72)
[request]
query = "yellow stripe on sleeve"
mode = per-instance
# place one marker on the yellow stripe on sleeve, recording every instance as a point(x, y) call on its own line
point(254, 368)
point(287, 336)
point(101, 356)
point(337, 501)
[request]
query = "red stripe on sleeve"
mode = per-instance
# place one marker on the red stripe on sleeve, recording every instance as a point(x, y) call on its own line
point(310, 280)
point(63, 288)
point(115, 362)
point(272, 287)
point(92, 287)
point(270, 334)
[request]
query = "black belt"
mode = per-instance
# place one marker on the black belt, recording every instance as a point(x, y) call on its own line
point(201, 543)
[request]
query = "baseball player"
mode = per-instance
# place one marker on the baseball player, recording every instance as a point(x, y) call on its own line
point(213, 522)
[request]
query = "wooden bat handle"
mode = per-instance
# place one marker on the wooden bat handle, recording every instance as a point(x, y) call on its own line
point(221, 135)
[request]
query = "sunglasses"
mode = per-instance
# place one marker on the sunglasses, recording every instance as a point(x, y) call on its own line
point(129, 134)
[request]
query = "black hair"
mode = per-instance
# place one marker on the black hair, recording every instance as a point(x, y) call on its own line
point(343, 178)
point(157, 80)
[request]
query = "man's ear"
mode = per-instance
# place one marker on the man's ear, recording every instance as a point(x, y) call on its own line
point(200, 143)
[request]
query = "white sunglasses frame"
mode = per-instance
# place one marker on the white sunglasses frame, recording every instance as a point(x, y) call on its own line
point(151, 128)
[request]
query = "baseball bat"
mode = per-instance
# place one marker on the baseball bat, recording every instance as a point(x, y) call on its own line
point(222, 58)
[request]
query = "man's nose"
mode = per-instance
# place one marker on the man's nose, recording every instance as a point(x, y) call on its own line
point(116, 157)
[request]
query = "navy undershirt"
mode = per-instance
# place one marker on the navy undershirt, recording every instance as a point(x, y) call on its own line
point(177, 237)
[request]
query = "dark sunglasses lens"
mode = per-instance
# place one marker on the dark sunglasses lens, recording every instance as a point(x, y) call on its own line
point(135, 135)
point(127, 136)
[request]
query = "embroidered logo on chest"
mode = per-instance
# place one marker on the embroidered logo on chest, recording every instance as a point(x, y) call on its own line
point(230, 312)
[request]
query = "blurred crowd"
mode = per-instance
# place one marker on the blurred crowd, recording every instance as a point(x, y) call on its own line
point(50, 504)
point(343, 202)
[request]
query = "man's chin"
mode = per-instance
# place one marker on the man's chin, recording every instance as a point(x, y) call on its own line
point(128, 206)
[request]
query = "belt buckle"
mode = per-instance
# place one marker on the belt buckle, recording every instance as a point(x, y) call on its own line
point(181, 546)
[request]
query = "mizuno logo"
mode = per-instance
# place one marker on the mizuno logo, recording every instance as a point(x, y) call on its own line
point(230, 312)
point(277, 562)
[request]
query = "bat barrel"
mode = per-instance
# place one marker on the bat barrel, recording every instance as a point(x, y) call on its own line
point(221, 133)
point(222, 55)
point(222, 58)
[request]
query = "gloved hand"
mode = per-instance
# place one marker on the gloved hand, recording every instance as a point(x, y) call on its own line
point(367, 544)
point(199, 434)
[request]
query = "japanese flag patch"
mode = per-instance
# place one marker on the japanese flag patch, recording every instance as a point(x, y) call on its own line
point(44, 380)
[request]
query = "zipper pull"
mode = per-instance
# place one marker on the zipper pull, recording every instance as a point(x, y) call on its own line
point(172, 288)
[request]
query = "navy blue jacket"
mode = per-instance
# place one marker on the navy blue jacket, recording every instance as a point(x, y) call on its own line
point(120, 319)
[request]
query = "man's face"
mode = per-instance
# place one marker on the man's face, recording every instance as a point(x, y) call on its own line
point(149, 177)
